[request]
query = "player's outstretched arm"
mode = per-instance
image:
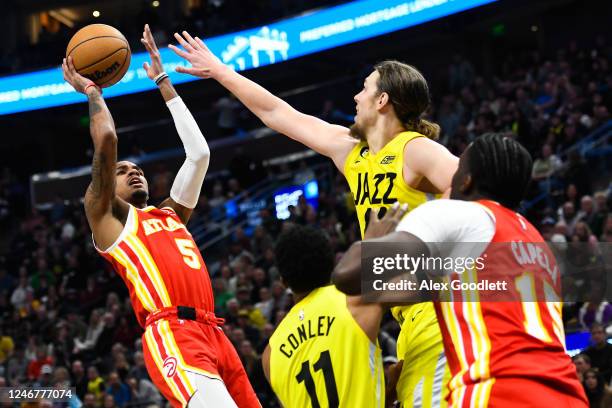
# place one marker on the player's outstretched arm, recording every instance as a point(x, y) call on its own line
point(333, 141)
point(103, 210)
point(187, 185)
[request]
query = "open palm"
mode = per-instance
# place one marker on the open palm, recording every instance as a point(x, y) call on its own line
point(204, 63)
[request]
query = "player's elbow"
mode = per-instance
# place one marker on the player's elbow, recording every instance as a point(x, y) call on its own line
point(201, 155)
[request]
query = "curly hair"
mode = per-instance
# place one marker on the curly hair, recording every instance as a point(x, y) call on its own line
point(305, 258)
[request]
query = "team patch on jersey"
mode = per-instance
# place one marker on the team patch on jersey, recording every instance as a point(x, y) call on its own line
point(387, 160)
point(170, 366)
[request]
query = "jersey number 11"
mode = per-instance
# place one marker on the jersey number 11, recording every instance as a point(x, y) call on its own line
point(323, 364)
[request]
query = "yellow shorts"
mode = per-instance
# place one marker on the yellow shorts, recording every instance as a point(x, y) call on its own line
point(423, 382)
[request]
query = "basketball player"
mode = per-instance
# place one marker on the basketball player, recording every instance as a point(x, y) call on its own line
point(501, 353)
point(388, 155)
point(325, 352)
point(187, 355)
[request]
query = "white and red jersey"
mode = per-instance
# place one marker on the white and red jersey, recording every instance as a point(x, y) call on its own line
point(501, 352)
point(160, 263)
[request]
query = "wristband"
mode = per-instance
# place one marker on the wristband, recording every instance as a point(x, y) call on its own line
point(160, 77)
point(90, 85)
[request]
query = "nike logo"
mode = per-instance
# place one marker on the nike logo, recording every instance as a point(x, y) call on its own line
point(415, 315)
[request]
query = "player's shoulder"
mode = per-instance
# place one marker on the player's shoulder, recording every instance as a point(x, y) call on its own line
point(417, 145)
point(456, 207)
point(444, 219)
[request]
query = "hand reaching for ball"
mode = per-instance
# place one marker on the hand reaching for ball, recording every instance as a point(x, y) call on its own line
point(78, 82)
point(156, 66)
point(204, 63)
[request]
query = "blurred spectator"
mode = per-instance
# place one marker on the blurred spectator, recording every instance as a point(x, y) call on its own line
point(89, 401)
point(600, 213)
point(594, 387)
point(143, 393)
point(568, 216)
point(109, 401)
point(139, 369)
point(6, 346)
point(95, 385)
point(45, 377)
point(544, 168)
point(79, 380)
point(596, 310)
point(600, 351)
point(42, 360)
point(117, 389)
point(582, 363)
point(95, 328)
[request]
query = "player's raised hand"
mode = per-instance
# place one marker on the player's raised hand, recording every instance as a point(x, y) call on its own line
point(379, 228)
point(156, 67)
point(204, 64)
point(76, 80)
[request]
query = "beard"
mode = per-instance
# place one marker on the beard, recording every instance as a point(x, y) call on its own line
point(357, 132)
point(139, 196)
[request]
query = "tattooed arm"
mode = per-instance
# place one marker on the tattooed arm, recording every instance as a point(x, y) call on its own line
point(105, 212)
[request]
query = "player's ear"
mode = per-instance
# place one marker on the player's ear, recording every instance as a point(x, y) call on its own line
point(467, 185)
point(383, 100)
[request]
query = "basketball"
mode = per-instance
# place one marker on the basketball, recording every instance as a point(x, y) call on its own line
point(101, 53)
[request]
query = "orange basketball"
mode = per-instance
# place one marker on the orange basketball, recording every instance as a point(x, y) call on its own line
point(101, 53)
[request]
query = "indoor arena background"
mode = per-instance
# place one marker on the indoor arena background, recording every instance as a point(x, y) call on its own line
point(536, 70)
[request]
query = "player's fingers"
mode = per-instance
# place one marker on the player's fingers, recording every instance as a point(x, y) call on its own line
point(146, 44)
point(374, 215)
point(392, 210)
point(203, 73)
point(191, 41)
point(202, 44)
point(179, 52)
point(183, 43)
point(149, 38)
point(145, 66)
point(71, 67)
point(402, 210)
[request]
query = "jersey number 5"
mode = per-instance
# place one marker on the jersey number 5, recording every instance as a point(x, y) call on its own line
point(323, 364)
point(187, 247)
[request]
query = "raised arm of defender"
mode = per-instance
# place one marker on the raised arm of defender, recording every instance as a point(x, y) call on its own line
point(102, 208)
point(330, 140)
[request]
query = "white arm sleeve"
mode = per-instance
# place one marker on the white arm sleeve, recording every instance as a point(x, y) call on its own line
point(188, 181)
point(448, 227)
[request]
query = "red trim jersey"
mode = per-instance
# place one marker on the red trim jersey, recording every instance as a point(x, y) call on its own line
point(504, 341)
point(518, 345)
point(160, 263)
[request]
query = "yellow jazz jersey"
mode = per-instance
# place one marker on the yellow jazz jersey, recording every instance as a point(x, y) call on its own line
point(320, 356)
point(376, 180)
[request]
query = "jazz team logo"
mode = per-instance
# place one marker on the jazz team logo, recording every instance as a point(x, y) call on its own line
point(170, 366)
